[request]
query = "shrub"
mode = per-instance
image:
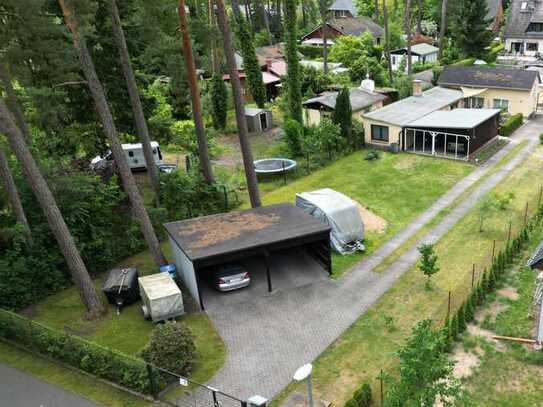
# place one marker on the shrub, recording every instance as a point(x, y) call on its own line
point(358, 133)
point(361, 397)
point(219, 102)
point(541, 139)
point(372, 155)
point(293, 137)
point(171, 348)
point(511, 124)
point(310, 51)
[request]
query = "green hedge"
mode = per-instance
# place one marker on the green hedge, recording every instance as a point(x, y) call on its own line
point(361, 397)
point(91, 358)
point(511, 124)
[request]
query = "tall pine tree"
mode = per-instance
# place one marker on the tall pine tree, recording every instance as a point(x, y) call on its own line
point(250, 63)
point(470, 28)
point(219, 102)
point(294, 90)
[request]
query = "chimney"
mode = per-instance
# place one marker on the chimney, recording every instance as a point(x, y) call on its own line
point(417, 87)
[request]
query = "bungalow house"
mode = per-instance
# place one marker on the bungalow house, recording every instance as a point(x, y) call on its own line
point(431, 123)
point(422, 53)
point(524, 28)
point(363, 99)
point(337, 27)
point(342, 9)
point(511, 90)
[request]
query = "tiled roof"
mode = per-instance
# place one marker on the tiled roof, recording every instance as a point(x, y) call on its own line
point(488, 77)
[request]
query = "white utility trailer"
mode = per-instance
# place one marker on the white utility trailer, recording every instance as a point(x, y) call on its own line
point(162, 298)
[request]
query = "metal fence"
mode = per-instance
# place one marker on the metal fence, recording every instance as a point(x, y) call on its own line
point(109, 366)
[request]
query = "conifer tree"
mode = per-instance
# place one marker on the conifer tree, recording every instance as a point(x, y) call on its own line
point(294, 90)
point(219, 102)
point(470, 27)
point(251, 66)
point(461, 318)
point(343, 114)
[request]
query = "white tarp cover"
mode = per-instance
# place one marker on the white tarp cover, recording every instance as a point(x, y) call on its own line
point(338, 211)
point(161, 296)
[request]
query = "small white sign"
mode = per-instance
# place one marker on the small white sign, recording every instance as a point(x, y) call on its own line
point(183, 381)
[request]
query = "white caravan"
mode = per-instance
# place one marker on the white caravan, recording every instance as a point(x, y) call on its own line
point(133, 154)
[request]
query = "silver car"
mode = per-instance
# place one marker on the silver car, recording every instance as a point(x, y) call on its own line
point(231, 277)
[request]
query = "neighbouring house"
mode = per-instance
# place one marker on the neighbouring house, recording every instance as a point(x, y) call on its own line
point(524, 28)
point(420, 53)
point(495, 14)
point(426, 77)
point(431, 123)
point(337, 27)
point(342, 9)
point(363, 99)
point(511, 90)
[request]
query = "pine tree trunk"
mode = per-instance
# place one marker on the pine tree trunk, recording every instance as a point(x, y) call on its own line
point(203, 151)
point(443, 28)
point(266, 22)
point(387, 41)
point(250, 174)
point(135, 101)
point(80, 275)
point(13, 103)
point(13, 197)
point(376, 10)
point(235, 9)
point(215, 65)
point(419, 16)
point(324, 19)
point(407, 27)
point(109, 129)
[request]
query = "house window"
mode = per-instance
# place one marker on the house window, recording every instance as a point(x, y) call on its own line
point(131, 154)
point(474, 102)
point(379, 133)
point(523, 5)
point(502, 104)
point(531, 46)
point(393, 59)
point(535, 27)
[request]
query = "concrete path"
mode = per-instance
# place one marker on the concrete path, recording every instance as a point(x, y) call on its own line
point(269, 337)
point(19, 389)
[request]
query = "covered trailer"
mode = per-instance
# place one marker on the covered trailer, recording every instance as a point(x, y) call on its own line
point(121, 286)
point(340, 212)
point(162, 298)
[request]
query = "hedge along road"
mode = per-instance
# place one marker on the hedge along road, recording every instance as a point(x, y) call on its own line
point(19, 389)
point(269, 337)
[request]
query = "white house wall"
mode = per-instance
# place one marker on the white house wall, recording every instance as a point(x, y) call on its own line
point(185, 270)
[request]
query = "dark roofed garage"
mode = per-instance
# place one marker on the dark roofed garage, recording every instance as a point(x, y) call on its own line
point(263, 239)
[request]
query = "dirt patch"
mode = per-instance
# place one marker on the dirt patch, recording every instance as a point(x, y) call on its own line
point(475, 330)
point(465, 362)
point(491, 311)
point(509, 292)
point(372, 222)
point(203, 232)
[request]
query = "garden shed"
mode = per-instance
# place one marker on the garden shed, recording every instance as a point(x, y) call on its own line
point(258, 120)
point(215, 240)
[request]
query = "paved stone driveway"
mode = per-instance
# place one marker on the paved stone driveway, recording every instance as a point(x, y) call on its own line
point(269, 337)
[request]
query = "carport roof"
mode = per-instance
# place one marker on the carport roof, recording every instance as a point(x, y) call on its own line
point(231, 232)
point(455, 119)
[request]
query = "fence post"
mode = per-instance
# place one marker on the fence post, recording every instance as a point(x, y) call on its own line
point(526, 214)
point(449, 306)
point(381, 387)
point(493, 249)
point(472, 275)
point(225, 198)
point(509, 233)
point(29, 334)
point(152, 385)
point(215, 401)
point(540, 196)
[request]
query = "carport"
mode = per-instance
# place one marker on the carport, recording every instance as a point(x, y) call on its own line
point(213, 240)
point(456, 133)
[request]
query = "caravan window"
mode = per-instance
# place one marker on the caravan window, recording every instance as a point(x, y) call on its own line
point(159, 153)
point(131, 154)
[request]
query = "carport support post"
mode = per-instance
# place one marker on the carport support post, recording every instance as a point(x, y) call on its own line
point(268, 274)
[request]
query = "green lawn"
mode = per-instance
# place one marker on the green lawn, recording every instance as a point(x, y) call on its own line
point(397, 187)
point(369, 345)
